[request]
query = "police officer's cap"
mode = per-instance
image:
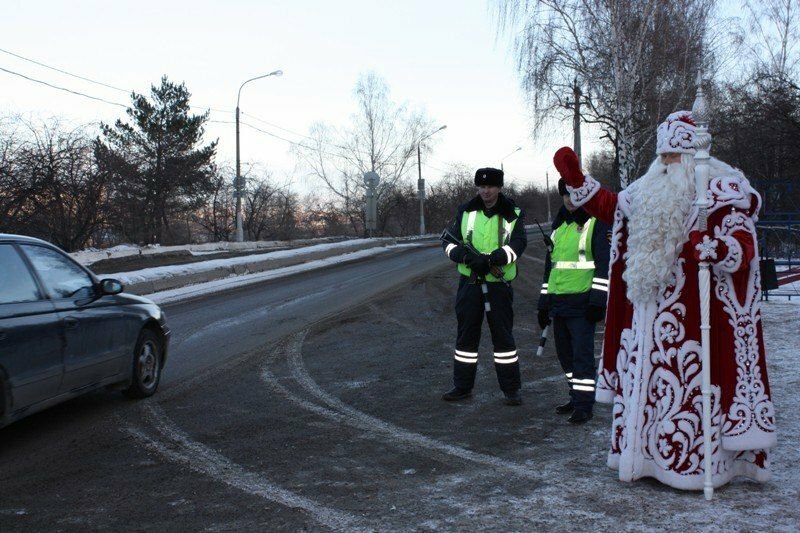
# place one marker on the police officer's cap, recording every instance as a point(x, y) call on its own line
point(492, 177)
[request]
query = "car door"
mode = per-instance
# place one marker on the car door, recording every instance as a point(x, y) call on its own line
point(31, 341)
point(93, 327)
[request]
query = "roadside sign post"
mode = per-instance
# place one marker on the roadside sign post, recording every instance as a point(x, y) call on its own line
point(371, 180)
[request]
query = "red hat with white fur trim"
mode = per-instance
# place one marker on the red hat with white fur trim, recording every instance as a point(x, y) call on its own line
point(676, 134)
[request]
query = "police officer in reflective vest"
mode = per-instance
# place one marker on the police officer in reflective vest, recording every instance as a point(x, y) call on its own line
point(574, 295)
point(495, 227)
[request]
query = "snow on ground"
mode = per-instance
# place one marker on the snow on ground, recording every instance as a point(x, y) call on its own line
point(741, 505)
point(92, 255)
point(202, 289)
point(169, 271)
point(788, 293)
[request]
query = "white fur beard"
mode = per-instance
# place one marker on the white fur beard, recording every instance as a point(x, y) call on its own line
point(656, 228)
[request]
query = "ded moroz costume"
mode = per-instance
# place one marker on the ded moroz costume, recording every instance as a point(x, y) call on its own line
point(651, 354)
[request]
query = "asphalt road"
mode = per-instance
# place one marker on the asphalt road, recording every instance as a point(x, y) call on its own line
point(313, 403)
point(226, 326)
point(84, 464)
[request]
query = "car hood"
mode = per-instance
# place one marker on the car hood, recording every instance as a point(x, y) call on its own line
point(128, 298)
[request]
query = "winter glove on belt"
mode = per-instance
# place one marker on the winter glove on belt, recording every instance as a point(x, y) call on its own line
point(544, 318)
point(566, 162)
point(595, 313)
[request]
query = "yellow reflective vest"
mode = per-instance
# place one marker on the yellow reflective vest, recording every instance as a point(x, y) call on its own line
point(487, 234)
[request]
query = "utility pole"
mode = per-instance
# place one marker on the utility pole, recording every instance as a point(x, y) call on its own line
point(547, 194)
point(421, 182)
point(576, 119)
point(420, 192)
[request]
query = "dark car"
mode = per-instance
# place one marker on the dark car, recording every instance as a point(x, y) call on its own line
point(64, 332)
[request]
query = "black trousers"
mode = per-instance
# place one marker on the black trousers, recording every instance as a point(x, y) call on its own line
point(470, 310)
point(574, 337)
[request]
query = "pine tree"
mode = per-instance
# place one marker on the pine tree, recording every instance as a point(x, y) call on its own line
point(156, 164)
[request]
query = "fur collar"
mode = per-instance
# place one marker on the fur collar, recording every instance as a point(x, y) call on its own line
point(504, 207)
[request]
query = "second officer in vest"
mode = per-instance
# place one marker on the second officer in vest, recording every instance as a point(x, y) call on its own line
point(495, 227)
point(574, 295)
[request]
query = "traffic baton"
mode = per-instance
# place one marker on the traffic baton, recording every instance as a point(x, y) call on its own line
point(542, 341)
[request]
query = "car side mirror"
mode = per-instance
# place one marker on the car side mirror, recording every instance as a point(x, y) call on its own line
point(111, 286)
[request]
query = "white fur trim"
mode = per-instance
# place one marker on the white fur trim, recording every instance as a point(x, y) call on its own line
point(743, 465)
point(584, 193)
point(733, 260)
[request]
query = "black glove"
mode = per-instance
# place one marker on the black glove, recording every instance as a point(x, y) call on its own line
point(479, 263)
point(458, 254)
point(544, 318)
point(595, 313)
point(499, 257)
point(469, 258)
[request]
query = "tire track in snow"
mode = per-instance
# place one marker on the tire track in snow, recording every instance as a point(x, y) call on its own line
point(177, 447)
point(397, 434)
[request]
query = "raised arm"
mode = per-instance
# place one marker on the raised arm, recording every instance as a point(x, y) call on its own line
point(585, 191)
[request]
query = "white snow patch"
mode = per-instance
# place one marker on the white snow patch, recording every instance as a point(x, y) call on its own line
point(201, 289)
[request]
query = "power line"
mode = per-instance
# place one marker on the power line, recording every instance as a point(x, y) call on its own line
point(64, 71)
point(279, 127)
point(63, 88)
point(126, 91)
point(294, 143)
point(191, 106)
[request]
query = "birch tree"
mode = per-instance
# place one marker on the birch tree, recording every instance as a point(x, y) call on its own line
point(773, 36)
point(635, 60)
point(382, 137)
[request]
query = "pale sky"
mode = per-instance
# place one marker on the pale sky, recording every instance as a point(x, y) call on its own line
point(442, 56)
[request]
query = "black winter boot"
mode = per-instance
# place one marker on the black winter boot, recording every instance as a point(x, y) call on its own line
point(455, 394)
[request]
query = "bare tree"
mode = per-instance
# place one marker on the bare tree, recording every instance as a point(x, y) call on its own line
point(51, 187)
point(270, 210)
point(773, 36)
point(456, 187)
point(13, 190)
point(382, 137)
point(216, 217)
point(635, 59)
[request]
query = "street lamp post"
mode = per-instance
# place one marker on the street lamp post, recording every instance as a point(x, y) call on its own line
point(238, 185)
point(421, 182)
point(517, 149)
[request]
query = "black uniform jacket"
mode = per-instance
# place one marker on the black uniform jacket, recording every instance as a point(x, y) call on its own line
point(576, 304)
point(505, 208)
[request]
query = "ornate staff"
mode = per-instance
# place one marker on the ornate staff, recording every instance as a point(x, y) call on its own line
point(702, 144)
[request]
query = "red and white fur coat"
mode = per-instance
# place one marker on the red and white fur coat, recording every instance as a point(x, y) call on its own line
point(651, 353)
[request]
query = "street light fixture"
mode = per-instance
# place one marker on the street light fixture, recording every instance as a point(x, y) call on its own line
point(238, 185)
point(421, 182)
point(517, 149)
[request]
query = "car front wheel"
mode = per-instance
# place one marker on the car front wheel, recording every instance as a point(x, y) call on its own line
point(147, 358)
